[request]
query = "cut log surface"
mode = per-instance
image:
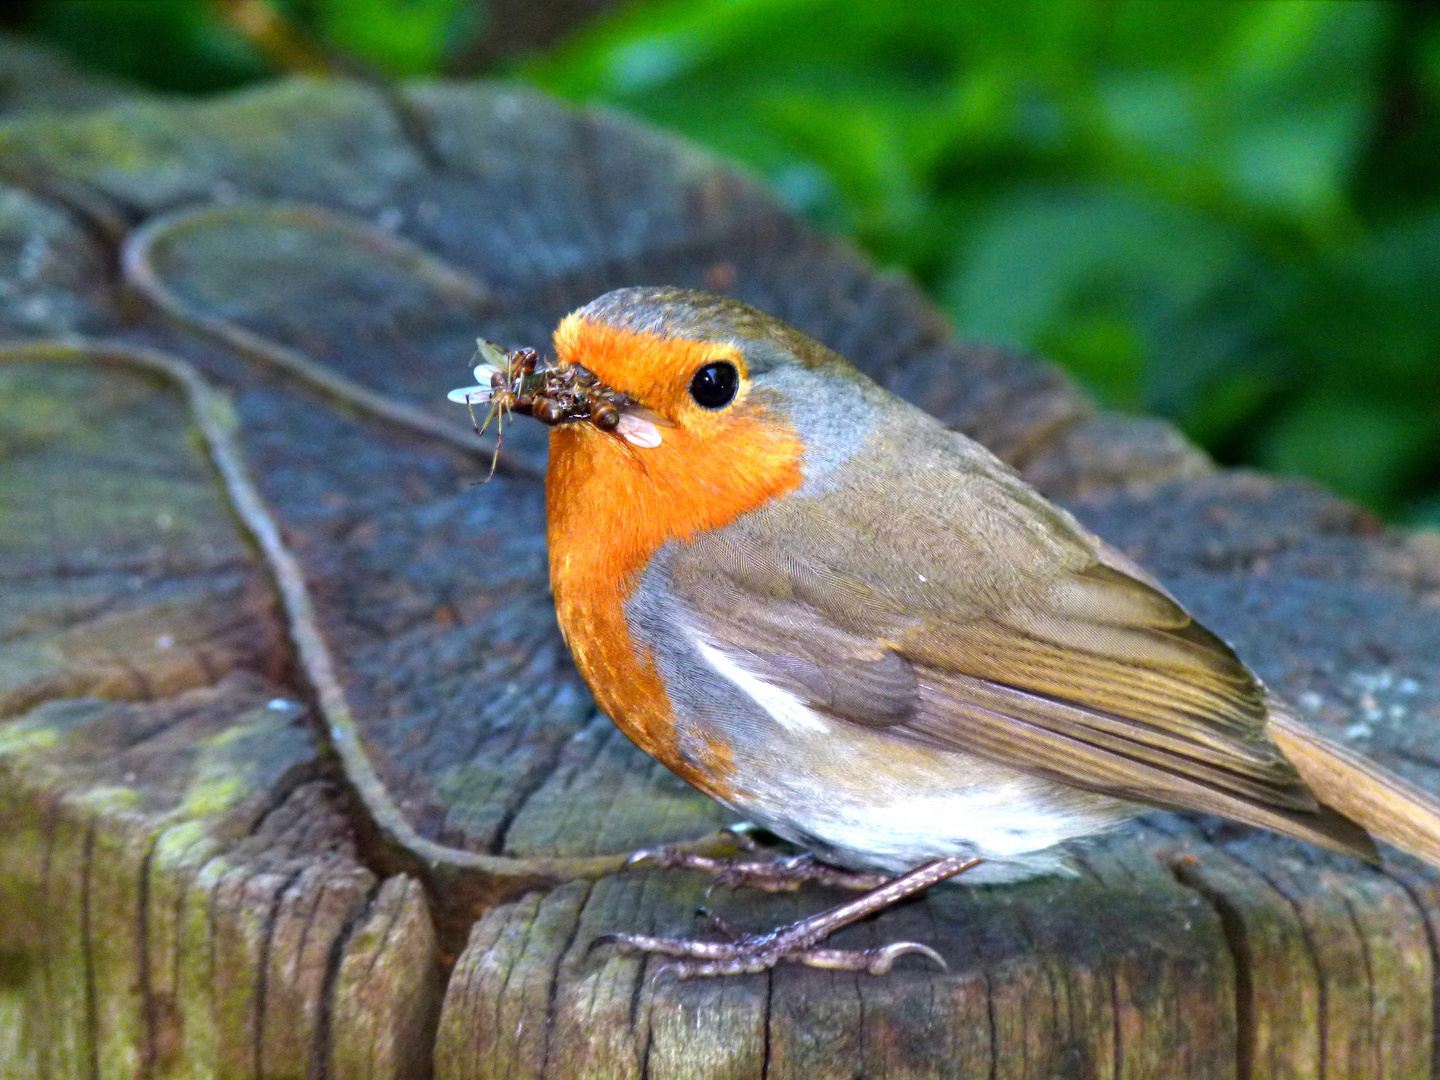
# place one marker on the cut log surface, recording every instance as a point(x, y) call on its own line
point(189, 886)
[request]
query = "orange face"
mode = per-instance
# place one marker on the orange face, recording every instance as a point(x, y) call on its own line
point(612, 504)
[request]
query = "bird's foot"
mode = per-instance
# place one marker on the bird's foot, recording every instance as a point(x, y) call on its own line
point(797, 943)
point(768, 875)
point(761, 952)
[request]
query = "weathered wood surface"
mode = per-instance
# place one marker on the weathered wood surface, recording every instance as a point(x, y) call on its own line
point(183, 891)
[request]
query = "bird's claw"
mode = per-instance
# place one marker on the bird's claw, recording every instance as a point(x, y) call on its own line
point(787, 875)
point(766, 875)
point(692, 853)
point(760, 952)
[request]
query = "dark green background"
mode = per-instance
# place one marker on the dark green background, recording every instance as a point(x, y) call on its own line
point(1224, 213)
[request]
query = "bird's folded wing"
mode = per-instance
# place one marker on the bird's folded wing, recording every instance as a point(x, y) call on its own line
point(1098, 679)
point(1135, 698)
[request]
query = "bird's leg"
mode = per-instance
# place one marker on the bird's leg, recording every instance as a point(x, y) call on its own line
point(796, 943)
point(785, 874)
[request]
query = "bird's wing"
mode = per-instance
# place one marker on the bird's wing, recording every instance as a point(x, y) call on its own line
point(1026, 641)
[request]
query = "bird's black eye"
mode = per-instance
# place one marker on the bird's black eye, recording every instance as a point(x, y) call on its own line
point(714, 385)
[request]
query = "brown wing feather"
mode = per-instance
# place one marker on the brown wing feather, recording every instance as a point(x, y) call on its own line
point(1156, 687)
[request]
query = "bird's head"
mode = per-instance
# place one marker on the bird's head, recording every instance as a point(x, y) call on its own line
point(727, 408)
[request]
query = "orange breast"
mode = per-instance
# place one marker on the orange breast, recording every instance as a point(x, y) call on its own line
point(611, 506)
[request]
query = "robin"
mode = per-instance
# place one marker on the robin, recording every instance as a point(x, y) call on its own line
point(866, 634)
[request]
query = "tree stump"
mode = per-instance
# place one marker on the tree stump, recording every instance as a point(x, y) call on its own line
point(188, 884)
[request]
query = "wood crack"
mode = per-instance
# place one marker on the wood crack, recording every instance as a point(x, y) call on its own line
point(87, 952)
point(104, 219)
point(262, 974)
point(320, 1051)
point(1369, 973)
point(1232, 927)
point(289, 782)
point(769, 1022)
point(523, 791)
point(48, 958)
point(637, 995)
point(553, 990)
point(1407, 884)
point(61, 570)
point(1116, 1042)
point(1307, 939)
point(150, 1048)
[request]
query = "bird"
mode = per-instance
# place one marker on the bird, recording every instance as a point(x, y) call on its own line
point(866, 634)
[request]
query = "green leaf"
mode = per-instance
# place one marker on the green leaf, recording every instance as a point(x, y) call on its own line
point(1364, 451)
point(1297, 92)
point(403, 37)
point(1422, 514)
point(1039, 251)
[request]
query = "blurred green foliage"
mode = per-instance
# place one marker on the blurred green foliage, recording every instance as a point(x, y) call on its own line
point(188, 46)
point(176, 45)
point(1226, 213)
point(401, 37)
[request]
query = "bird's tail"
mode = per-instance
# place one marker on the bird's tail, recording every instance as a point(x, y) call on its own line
point(1387, 807)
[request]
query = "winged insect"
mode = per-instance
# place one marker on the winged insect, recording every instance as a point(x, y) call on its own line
point(514, 381)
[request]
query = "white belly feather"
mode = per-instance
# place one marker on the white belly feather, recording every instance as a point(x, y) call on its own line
point(862, 798)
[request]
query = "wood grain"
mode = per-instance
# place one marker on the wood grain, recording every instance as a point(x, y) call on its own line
point(186, 891)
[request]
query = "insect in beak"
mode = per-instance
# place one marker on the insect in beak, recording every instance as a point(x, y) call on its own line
point(514, 382)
